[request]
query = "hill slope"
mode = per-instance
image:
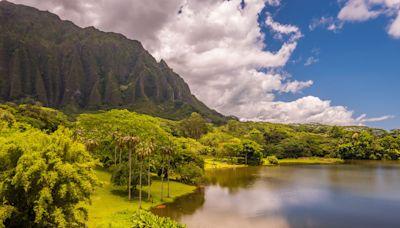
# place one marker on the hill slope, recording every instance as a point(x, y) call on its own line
point(46, 59)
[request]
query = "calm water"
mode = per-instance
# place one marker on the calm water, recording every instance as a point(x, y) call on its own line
point(362, 194)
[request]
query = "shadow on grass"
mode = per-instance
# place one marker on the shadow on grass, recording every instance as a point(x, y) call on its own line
point(124, 194)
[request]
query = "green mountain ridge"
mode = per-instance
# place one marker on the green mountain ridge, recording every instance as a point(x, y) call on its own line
point(46, 59)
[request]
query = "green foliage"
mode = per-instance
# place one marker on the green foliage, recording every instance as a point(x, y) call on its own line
point(251, 153)
point(104, 132)
point(187, 163)
point(194, 126)
point(273, 160)
point(230, 149)
point(6, 212)
point(38, 117)
point(120, 174)
point(145, 219)
point(189, 173)
point(98, 130)
point(46, 179)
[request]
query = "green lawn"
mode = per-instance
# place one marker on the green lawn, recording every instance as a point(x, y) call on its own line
point(310, 161)
point(111, 207)
point(210, 163)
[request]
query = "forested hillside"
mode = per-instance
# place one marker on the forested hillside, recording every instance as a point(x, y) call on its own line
point(43, 58)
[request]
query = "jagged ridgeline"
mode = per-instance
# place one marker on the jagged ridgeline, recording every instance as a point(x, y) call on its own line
point(46, 59)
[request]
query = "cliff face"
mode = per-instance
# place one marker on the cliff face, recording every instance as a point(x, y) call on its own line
point(43, 58)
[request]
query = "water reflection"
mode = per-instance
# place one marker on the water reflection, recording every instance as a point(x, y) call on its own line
point(233, 179)
point(182, 206)
point(351, 195)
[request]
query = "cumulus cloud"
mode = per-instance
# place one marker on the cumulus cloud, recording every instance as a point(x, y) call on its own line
point(218, 47)
point(363, 10)
point(357, 10)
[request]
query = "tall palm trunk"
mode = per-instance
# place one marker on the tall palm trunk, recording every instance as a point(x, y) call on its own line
point(168, 195)
point(149, 183)
point(130, 174)
point(115, 155)
point(162, 182)
point(140, 185)
point(120, 155)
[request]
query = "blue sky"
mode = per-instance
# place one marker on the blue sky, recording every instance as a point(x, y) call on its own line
point(358, 66)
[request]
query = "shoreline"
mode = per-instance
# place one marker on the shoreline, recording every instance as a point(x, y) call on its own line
point(110, 206)
point(218, 164)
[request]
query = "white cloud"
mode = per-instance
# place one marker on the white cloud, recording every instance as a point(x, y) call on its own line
point(218, 47)
point(363, 118)
point(363, 10)
point(394, 28)
point(329, 23)
point(357, 10)
point(281, 29)
point(311, 60)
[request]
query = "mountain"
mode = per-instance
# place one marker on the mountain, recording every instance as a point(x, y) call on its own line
point(46, 59)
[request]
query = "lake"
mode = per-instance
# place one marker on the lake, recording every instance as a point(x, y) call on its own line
point(356, 194)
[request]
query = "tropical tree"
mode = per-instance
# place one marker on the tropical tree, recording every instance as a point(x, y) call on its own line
point(144, 149)
point(252, 153)
point(194, 126)
point(117, 145)
point(130, 142)
point(46, 179)
point(166, 151)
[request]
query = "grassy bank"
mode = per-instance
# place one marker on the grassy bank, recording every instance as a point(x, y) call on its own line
point(111, 207)
point(210, 163)
point(310, 161)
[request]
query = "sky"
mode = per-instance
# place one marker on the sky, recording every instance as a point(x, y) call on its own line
point(287, 61)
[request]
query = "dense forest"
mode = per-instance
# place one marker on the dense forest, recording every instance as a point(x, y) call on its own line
point(47, 159)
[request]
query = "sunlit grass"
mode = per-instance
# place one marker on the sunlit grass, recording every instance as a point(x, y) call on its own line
point(111, 207)
point(211, 163)
point(310, 161)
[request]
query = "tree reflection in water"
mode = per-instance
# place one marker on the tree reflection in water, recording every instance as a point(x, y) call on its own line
point(185, 205)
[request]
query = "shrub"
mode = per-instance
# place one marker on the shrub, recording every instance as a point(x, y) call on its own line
point(190, 173)
point(273, 160)
point(145, 219)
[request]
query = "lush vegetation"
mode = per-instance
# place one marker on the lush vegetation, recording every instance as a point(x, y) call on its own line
point(297, 141)
point(111, 207)
point(50, 166)
point(46, 179)
point(144, 219)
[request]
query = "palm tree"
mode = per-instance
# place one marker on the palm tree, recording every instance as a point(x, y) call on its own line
point(121, 148)
point(91, 144)
point(164, 152)
point(145, 148)
point(169, 152)
point(116, 138)
point(131, 142)
point(151, 150)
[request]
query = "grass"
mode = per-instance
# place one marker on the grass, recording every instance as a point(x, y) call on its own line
point(210, 163)
point(310, 161)
point(110, 205)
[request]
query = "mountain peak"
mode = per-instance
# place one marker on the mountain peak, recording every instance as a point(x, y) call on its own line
point(46, 59)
